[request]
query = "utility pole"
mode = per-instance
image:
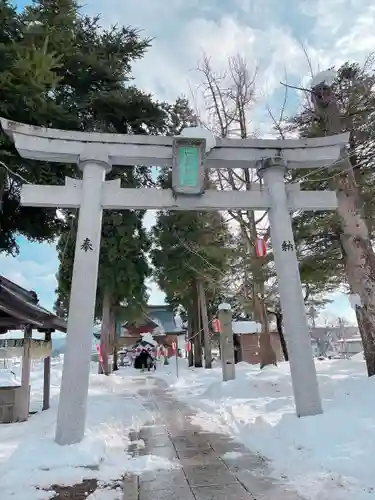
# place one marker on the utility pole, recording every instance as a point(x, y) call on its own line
point(205, 327)
point(226, 342)
point(359, 256)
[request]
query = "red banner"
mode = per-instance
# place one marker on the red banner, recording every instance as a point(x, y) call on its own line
point(99, 353)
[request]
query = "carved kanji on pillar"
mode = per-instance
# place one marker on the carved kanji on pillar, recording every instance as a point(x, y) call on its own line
point(86, 245)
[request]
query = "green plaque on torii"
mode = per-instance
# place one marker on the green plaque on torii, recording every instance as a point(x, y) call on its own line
point(188, 167)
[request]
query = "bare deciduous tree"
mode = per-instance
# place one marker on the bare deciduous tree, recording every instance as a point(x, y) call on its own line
point(228, 98)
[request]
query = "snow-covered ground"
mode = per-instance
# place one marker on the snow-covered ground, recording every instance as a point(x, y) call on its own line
point(327, 457)
point(30, 460)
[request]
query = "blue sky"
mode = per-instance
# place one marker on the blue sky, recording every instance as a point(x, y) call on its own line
point(268, 32)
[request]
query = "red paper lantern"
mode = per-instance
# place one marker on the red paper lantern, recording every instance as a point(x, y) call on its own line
point(174, 346)
point(260, 247)
point(216, 325)
point(188, 347)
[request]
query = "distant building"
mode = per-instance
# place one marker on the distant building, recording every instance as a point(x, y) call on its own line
point(160, 321)
point(246, 340)
point(349, 347)
point(336, 340)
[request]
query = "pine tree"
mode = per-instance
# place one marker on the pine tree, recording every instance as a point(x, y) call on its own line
point(28, 79)
point(59, 68)
point(96, 69)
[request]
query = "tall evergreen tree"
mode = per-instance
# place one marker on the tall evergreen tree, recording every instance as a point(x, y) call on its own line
point(94, 85)
point(28, 79)
point(59, 68)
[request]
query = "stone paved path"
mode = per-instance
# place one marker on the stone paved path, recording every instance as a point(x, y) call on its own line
point(213, 467)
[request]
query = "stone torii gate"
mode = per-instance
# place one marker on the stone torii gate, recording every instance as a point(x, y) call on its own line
point(189, 156)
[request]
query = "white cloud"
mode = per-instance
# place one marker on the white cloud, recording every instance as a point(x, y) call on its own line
point(360, 38)
point(335, 30)
point(27, 273)
point(32, 275)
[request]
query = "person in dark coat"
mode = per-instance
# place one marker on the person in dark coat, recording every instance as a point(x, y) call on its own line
point(140, 361)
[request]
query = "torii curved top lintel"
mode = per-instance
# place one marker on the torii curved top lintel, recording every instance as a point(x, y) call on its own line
point(66, 146)
point(12, 127)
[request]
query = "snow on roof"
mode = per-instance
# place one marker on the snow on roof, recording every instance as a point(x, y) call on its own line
point(353, 339)
point(147, 337)
point(243, 327)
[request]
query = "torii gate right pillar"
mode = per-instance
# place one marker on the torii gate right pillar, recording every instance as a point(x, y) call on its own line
point(302, 367)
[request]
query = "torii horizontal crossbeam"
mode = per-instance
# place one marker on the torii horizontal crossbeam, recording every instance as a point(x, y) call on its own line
point(117, 198)
point(63, 146)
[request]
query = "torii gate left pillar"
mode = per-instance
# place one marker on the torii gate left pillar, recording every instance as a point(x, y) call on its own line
point(71, 417)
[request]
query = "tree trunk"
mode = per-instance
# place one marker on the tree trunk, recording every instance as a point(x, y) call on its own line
point(190, 336)
point(266, 352)
point(279, 325)
point(197, 340)
point(105, 333)
point(358, 254)
point(205, 326)
point(359, 263)
point(115, 358)
point(114, 341)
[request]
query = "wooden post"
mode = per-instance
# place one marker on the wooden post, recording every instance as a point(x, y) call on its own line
point(242, 350)
point(176, 353)
point(25, 376)
point(226, 342)
point(205, 327)
point(47, 376)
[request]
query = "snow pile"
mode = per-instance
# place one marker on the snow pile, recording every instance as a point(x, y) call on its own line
point(139, 464)
point(358, 357)
point(327, 457)
point(8, 378)
point(31, 461)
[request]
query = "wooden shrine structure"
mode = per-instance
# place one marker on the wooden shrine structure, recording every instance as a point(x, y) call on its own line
point(20, 310)
point(159, 320)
